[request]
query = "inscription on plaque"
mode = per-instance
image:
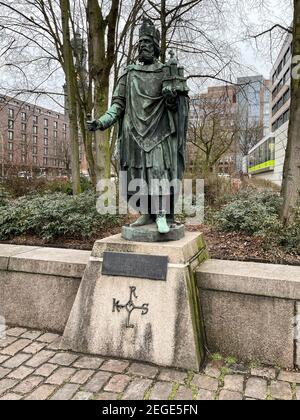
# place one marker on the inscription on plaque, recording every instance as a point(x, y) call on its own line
point(152, 267)
point(130, 306)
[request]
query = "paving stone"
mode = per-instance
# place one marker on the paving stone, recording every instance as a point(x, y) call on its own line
point(86, 362)
point(48, 338)
point(184, 393)
point(268, 373)
point(256, 388)
point(40, 358)
point(82, 376)
point(161, 391)
point(204, 395)
point(292, 377)
point(63, 359)
point(205, 382)
point(117, 383)
point(281, 391)
point(32, 335)
point(234, 383)
point(60, 376)
point(172, 375)
point(21, 373)
point(97, 382)
point(15, 347)
point(4, 342)
point(226, 395)
point(141, 369)
point(137, 389)
point(46, 370)
point(55, 345)
point(16, 361)
point(34, 348)
point(4, 372)
point(27, 386)
point(106, 396)
point(65, 393)
point(212, 371)
point(239, 368)
point(41, 393)
point(6, 384)
point(117, 366)
point(83, 396)
point(11, 397)
point(3, 359)
point(16, 332)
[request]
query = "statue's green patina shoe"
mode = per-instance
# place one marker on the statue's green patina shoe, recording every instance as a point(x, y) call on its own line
point(162, 224)
point(143, 220)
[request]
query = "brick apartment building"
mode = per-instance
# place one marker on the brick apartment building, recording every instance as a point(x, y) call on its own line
point(33, 139)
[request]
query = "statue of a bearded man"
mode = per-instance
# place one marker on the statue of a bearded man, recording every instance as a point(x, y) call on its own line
point(151, 105)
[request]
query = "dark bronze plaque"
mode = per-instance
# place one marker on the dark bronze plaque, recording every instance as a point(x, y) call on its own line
point(135, 265)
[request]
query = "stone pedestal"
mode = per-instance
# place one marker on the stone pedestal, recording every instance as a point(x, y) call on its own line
point(135, 312)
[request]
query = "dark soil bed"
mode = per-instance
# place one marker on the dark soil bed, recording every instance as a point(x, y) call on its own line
point(221, 245)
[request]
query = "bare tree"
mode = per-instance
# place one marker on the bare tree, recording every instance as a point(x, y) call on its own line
point(291, 171)
point(213, 129)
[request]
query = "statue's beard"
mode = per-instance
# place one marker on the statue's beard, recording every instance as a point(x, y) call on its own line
point(146, 56)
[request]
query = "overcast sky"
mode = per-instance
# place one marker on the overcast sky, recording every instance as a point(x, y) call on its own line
point(243, 18)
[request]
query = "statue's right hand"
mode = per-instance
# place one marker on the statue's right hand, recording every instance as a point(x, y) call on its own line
point(92, 125)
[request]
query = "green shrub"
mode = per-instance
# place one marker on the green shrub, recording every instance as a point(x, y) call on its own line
point(251, 212)
point(54, 215)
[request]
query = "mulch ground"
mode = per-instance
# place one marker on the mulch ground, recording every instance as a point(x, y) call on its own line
point(221, 245)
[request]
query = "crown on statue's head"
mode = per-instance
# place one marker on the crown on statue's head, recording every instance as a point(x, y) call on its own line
point(148, 29)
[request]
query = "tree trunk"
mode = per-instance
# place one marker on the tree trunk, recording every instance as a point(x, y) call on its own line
point(164, 30)
point(291, 171)
point(70, 75)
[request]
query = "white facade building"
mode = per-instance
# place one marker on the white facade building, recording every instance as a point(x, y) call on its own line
point(259, 163)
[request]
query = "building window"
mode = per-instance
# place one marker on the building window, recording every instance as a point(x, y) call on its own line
point(55, 125)
point(46, 132)
point(34, 150)
point(23, 116)
point(65, 127)
point(10, 135)
point(24, 138)
point(45, 161)
point(11, 113)
point(46, 142)
point(45, 122)
point(23, 158)
point(55, 134)
point(35, 129)
point(34, 159)
point(23, 148)
point(11, 124)
point(10, 157)
point(10, 146)
point(35, 119)
point(45, 151)
point(28, 107)
point(23, 127)
point(34, 139)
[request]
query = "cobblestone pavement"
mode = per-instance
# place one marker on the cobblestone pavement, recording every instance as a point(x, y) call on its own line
point(33, 368)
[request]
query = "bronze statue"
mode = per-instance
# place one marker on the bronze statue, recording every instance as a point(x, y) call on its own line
point(151, 105)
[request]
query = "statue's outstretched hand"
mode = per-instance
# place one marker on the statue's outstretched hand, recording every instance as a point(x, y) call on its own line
point(93, 125)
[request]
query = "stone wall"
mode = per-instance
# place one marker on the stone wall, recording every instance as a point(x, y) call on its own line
point(250, 310)
point(38, 286)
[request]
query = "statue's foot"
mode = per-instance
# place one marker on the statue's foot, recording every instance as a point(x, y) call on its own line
point(162, 224)
point(143, 220)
